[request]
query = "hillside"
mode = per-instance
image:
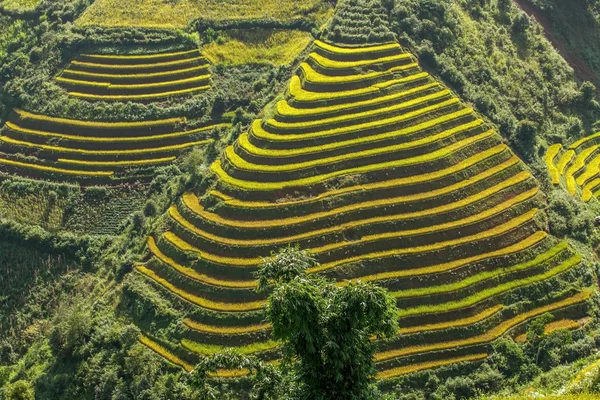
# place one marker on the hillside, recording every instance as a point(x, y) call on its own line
point(154, 156)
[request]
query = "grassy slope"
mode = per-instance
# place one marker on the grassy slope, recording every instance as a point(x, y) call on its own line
point(574, 27)
point(257, 47)
point(158, 13)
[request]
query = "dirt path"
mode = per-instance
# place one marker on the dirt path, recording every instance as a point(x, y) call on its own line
point(581, 68)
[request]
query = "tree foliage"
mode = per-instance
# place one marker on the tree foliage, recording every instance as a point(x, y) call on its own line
point(326, 328)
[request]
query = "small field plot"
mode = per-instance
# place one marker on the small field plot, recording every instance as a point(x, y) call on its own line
point(179, 14)
point(257, 46)
point(19, 4)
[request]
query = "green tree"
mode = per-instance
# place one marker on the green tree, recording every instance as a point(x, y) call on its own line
point(326, 329)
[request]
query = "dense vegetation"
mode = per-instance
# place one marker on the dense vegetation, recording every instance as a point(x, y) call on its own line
point(171, 284)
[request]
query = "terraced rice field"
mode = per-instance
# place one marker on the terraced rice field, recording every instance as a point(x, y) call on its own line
point(94, 152)
point(140, 78)
point(386, 177)
point(577, 167)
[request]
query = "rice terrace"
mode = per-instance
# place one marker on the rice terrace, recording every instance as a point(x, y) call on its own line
point(301, 199)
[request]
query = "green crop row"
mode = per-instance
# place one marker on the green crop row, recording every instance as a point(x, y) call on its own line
point(349, 117)
point(550, 156)
point(115, 164)
point(483, 276)
point(137, 66)
point(525, 244)
point(102, 152)
point(312, 76)
point(244, 142)
point(253, 261)
point(24, 115)
point(152, 96)
point(411, 368)
point(259, 132)
point(491, 233)
point(135, 76)
point(192, 202)
point(190, 272)
point(297, 91)
point(352, 224)
point(111, 86)
point(160, 350)
point(45, 168)
point(209, 350)
point(197, 300)
point(239, 163)
point(356, 50)
point(430, 176)
point(497, 331)
point(285, 109)
point(225, 330)
point(487, 293)
point(139, 56)
point(134, 139)
point(334, 64)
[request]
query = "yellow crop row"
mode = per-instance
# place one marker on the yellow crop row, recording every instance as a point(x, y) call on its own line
point(53, 169)
point(585, 372)
point(261, 346)
point(530, 241)
point(137, 66)
point(135, 76)
point(119, 163)
point(285, 109)
point(200, 301)
point(140, 56)
point(258, 131)
point(112, 86)
point(550, 156)
point(587, 192)
point(334, 64)
point(409, 369)
point(491, 233)
point(225, 330)
point(486, 294)
point(430, 176)
point(351, 224)
point(103, 152)
point(244, 143)
point(173, 135)
point(209, 350)
point(356, 50)
point(314, 179)
point(300, 94)
point(564, 160)
point(576, 166)
point(568, 324)
point(489, 336)
point(139, 96)
point(592, 169)
point(244, 262)
point(310, 75)
point(99, 125)
point(485, 314)
point(160, 350)
point(578, 143)
point(349, 117)
point(192, 202)
point(483, 276)
point(193, 274)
